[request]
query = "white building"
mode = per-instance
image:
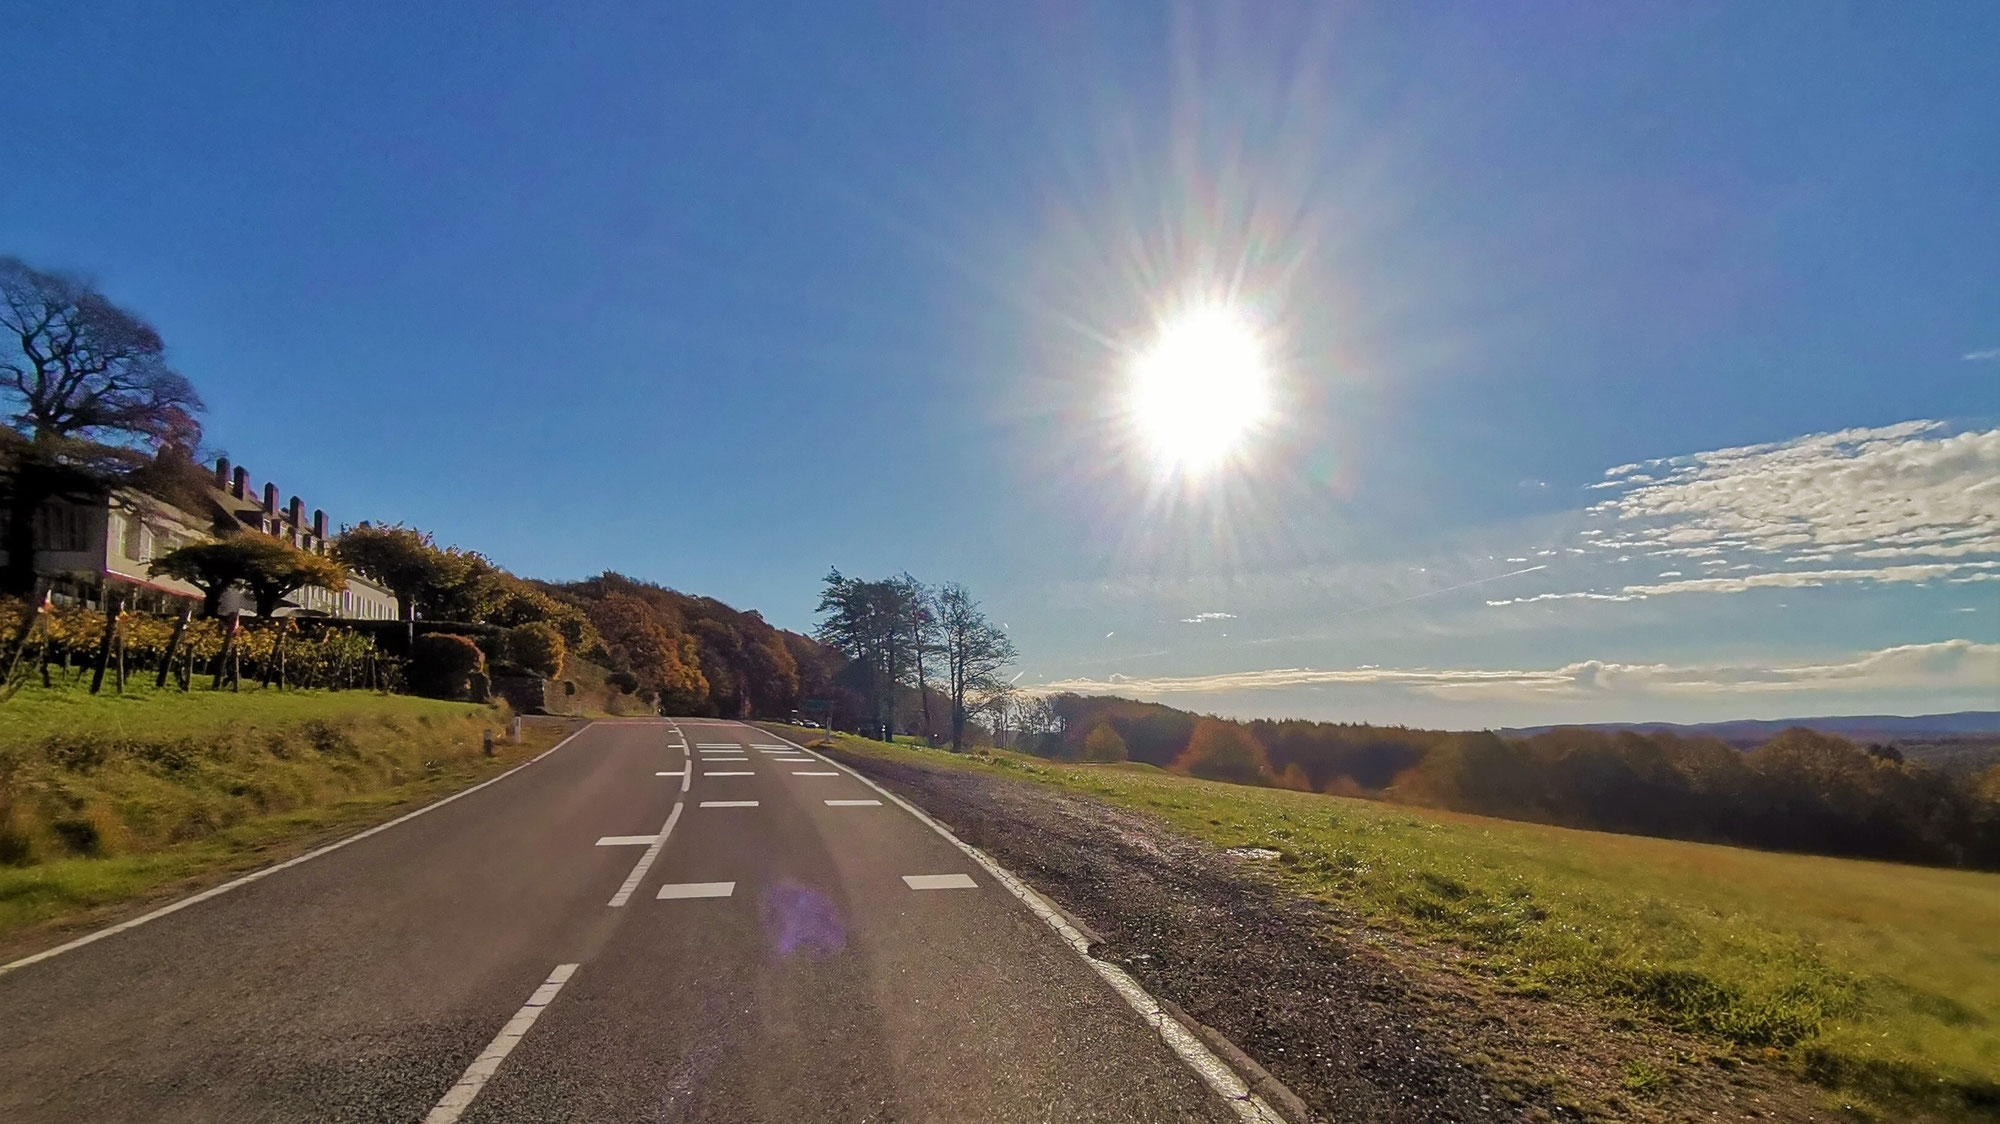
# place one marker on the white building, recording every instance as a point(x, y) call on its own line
point(85, 547)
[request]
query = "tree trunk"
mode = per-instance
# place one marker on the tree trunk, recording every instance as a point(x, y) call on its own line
point(923, 692)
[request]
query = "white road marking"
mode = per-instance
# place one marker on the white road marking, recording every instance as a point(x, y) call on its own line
point(733, 773)
point(672, 773)
point(794, 761)
point(627, 841)
point(459, 1097)
point(729, 803)
point(631, 883)
point(1214, 1072)
point(940, 882)
point(811, 773)
point(718, 745)
point(779, 748)
point(255, 875)
point(697, 890)
point(854, 803)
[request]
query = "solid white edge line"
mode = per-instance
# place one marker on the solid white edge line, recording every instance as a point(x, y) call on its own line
point(1193, 1053)
point(459, 1097)
point(255, 875)
point(645, 863)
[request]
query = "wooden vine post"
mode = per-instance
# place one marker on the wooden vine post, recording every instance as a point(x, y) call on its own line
point(112, 607)
point(173, 648)
point(22, 634)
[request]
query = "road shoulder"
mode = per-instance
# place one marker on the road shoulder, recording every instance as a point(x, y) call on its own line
point(1359, 1023)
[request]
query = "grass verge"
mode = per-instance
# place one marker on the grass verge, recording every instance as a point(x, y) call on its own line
point(1878, 981)
point(108, 801)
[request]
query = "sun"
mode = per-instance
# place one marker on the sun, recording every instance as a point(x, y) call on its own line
point(1201, 391)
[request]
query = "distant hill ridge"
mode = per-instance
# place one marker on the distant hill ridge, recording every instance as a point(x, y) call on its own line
point(1856, 727)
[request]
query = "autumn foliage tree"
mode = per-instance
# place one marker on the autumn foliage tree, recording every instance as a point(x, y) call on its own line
point(1224, 751)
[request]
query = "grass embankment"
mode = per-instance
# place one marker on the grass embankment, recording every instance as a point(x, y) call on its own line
point(104, 799)
point(1877, 980)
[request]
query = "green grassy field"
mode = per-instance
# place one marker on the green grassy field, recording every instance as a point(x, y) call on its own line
point(1877, 980)
point(106, 799)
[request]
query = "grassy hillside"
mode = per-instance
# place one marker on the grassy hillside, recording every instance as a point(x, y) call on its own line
point(1878, 980)
point(105, 798)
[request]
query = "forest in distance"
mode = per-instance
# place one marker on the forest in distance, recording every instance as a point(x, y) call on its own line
point(1800, 790)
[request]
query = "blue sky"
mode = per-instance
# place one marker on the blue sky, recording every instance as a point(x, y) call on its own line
point(721, 296)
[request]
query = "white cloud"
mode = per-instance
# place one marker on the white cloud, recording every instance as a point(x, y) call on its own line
point(1807, 579)
point(1951, 664)
point(1913, 485)
point(1580, 596)
point(1204, 618)
point(1983, 354)
point(1884, 505)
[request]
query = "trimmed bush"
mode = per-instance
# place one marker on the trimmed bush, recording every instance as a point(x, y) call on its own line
point(442, 665)
point(538, 646)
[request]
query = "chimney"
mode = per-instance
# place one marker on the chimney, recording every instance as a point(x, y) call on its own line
point(270, 499)
point(296, 513)
point(239, 483)
point(222, 473)
point(319, 525)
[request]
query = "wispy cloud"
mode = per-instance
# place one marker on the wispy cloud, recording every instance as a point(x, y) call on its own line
point(1983, 355)
point(1958, 572)
point(1204, 618)
point(1951, 664)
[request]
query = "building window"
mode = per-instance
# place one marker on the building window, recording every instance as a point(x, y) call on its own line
point(58, 527)
point(138, 541)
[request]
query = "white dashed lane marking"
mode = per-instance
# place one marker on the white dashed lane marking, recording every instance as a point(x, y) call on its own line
point(940, 882)
point(812, 773)
point(459, 1097)
point(718, 745)
point(854, 803)
point(672, 773)
point(627, 841)
point(697, 890)
point(734, 773)
point(645, 863)
point(729, 803)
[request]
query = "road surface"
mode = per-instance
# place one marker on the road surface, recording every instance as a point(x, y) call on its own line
point(564, 945)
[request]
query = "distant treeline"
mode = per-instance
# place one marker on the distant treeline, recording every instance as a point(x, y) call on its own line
point(696, 655)
point(1799, 791)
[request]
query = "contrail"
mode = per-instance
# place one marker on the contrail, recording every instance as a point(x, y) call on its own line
point(1446, 589)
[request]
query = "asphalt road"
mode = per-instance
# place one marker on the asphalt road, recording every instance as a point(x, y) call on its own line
point(771, 962)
